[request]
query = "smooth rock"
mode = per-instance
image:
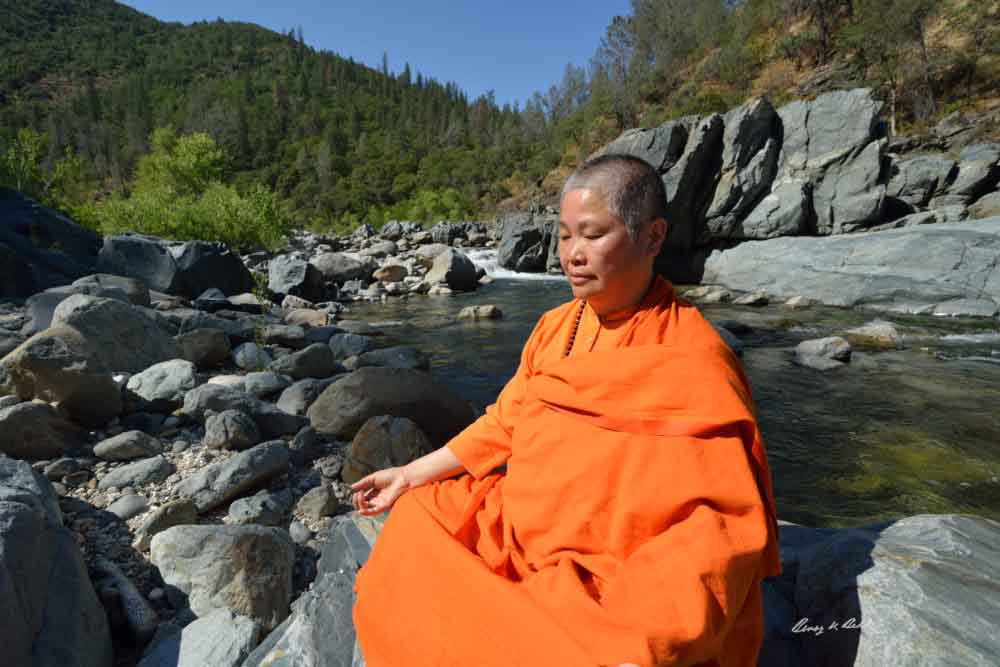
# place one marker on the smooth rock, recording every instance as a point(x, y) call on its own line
point(174, 513)
point(205, 348)
point(140, 473)
point(128, 446)
point(35, 431)
point(384, 442)
point(231, 429)
point(220, 482)
point(161, 387)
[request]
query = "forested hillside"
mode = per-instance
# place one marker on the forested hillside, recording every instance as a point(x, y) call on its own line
point(270, 127)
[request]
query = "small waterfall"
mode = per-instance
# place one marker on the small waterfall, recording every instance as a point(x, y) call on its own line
point(487, 258)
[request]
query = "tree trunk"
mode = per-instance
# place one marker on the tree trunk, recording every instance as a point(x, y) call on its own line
point(892, 110)
point(919, 26)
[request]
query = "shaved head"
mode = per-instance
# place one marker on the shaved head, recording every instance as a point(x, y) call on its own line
point(629, 187)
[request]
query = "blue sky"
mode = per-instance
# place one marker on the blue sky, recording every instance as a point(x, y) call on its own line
point(514, 47)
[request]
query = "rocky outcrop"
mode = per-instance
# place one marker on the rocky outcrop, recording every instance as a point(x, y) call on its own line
point(40, 248)
point(51, 615)
point(921, 590)
point(186, 269)
point(911, 269)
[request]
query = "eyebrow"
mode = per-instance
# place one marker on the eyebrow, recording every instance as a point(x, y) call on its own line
point(583, 223)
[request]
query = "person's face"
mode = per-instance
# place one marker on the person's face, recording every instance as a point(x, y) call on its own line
point(603, 264)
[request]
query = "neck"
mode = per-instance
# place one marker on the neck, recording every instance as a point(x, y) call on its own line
point(634, 299)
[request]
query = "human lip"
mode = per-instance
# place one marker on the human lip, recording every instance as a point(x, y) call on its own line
point(577, 279)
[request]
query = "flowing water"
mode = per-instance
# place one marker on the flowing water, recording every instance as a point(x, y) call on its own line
point(894, 433)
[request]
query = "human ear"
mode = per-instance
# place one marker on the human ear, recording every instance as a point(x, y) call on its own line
point(657, 232)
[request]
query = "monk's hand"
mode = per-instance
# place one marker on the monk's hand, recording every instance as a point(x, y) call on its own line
point(377, 492)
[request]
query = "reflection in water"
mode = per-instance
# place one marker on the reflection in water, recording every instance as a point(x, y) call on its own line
point(895, 433)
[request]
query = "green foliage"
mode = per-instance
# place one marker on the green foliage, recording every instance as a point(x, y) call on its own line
point(177, 194)
point(22, 168)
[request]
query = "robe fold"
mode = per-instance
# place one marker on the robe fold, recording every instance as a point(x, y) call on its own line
point(634, 522)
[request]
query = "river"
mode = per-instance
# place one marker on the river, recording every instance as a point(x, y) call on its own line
point(895, 433)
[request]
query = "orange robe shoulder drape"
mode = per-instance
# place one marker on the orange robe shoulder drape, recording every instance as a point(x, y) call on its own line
point(634, 522)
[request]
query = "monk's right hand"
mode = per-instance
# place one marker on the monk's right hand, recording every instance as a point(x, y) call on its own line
point(377, 492)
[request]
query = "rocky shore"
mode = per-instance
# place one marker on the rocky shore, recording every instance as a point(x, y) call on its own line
point(179, 427)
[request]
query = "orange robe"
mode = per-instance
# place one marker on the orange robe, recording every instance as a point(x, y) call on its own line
point(634, 522)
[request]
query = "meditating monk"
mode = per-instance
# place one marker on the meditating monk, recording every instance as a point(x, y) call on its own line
point(635, 519)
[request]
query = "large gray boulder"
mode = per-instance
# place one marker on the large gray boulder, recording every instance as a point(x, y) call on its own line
point(833, 142)
point(785, 211)
point(220, 639)
point(661, 146)
point(750, 146)
point(39, 308)
point(36, 431)
point(918, 180)
point(454, 269)
point(978, 172)
point(40, 248)
point(272, 422)
point(315, 361)
point(524, 243)
point(690, 183)
point(288, 274)
point(320, 630)
point(338, 267)
point(245, 569)
point(184, 269)
point(142, 472)
point(135, 290)
point(917, 591)
point(51, 614)
point(221, 482)
point(161, 387)
point(384, 442)
point(122, 337)
point(372, 391)
point(903, 269)
point(59, 365)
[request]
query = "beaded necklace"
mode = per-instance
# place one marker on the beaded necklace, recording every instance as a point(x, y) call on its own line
point(576, 326)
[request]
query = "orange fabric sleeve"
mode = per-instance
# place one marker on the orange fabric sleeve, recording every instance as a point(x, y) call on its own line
point(683, 589)
point(485, 443)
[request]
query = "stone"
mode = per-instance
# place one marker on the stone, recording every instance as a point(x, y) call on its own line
point(986, 207)
point(264, 508)
point(927, 264)
point(877, 334)
point(186, 269)
point(426, 254)
point(454, 269)
point(265, 383)
point(135, 290)
point(128, 446)
point(346, 345)
point(292, 302)
point(174, 513)
point(483, 312)
point(750, 147)
point(394, 357)
point(128, 506)
point(40, 571)
point(978, 171)
point(384, 442)
point(60, 468)
point(161, 387)
point(338, 267)
point(220, 639)
point(907, 584)
point(231, 429)
point(918, 180)
point(320, 629)
point(250, 357)
point(287, 274)
point(220, 482)
point(798, 303)
point(297, 398)
point(61, 365)
point(140, 617)
point(140, 473)
point(299, 533)
point(523, 244)
point(661, 146)
point(318, 503)
point(967, 308)
point(307, 317)
point(391, 273)
point(379, 249)
point(40, 248)
point(315, 361)
point(785, 211)
point(272, 422)
point(352, 399)
point(205, 348)
point(823, 353)
point(284, 335)
point(757, 298)
point(690, 182)
point(122, 337)
point(39, 308)
point(245, 569)
point(36, 431)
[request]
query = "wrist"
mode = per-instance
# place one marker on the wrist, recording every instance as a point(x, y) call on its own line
point(410, 477)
